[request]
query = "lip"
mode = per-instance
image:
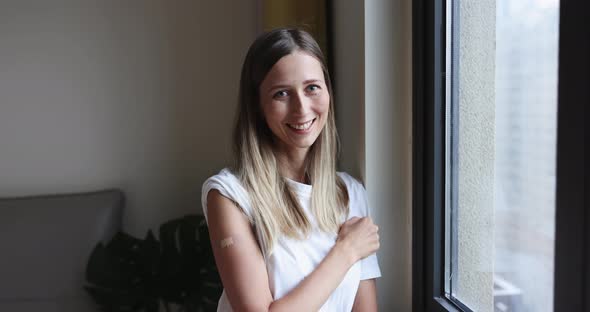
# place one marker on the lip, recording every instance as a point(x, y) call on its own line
point(303, 131)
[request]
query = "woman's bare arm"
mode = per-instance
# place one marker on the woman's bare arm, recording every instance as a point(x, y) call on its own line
point(240, 264)
point(366, 297)
point(243, 271)
point(316, 288)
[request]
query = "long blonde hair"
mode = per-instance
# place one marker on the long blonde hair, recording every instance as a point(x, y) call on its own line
point(275, 207)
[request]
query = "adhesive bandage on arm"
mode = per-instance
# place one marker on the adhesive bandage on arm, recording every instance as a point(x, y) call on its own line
point(227, 242)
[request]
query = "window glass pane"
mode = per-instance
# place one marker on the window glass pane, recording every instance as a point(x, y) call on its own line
point(501, 125)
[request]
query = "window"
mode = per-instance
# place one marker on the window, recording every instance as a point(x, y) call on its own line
point(501, 115)
point(500, 222)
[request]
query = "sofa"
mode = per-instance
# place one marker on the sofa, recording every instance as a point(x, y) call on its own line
point(45, 243)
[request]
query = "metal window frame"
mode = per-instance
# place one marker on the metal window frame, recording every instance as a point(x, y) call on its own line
point(429, 172)
point(572, 239)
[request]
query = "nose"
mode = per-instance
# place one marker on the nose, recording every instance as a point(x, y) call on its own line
point(300, 104)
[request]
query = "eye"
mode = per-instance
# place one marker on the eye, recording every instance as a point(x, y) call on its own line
point(313, 88)
point(280, 94)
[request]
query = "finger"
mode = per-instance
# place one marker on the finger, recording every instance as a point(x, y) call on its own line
point(353, 220)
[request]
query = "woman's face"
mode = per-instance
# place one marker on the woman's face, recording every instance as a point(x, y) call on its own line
point(295, 101)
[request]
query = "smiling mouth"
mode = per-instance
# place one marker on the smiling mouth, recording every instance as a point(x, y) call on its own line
point(302, 126)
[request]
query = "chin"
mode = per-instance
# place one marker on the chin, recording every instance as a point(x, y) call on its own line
point(305, 144)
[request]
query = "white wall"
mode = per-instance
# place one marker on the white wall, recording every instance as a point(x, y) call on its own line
point(137, 95)
point(388, 149)
point(373, 74)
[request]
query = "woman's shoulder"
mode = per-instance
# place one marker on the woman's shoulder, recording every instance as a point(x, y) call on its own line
point(225, 178)
point(224, 173)
point(226, 181)
point(358, 201)
point(352, 184)
point(228, 185)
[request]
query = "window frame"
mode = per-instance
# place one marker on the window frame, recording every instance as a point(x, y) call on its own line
point(572, 220)
point(429, 174)
point(572, 237)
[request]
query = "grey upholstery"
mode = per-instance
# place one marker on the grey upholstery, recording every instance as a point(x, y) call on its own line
point(45, 242)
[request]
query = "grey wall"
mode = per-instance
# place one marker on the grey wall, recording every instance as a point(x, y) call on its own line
point(349, 83)
point(131, 94)
point(373, 49)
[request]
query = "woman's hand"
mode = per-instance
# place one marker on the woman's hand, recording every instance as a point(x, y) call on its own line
point(358, 237)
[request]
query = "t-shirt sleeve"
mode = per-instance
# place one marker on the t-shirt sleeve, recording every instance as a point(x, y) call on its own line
point(228, 186)
point(359, 207)
point(369, 265)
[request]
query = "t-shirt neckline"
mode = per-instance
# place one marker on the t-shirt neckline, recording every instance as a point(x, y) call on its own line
point(300, 188)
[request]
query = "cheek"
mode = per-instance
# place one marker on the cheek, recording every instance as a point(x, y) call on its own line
point(273, 114)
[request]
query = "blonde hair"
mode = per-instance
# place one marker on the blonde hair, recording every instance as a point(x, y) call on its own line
point(275, 207)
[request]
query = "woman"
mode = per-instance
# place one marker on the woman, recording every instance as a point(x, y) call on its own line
point(288, 232)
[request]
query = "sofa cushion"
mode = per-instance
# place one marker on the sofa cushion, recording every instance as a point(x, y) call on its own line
point(45, 243)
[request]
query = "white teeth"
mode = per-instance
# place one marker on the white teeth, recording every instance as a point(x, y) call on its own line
point(304, 126)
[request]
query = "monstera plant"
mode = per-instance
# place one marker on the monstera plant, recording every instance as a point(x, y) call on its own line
point(176, 270)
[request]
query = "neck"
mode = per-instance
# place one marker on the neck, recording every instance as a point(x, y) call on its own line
point(292, 164)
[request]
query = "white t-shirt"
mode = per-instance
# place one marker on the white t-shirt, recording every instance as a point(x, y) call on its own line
point(292, 260)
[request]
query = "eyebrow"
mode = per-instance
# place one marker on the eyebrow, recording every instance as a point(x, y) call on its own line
point(282, 86)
